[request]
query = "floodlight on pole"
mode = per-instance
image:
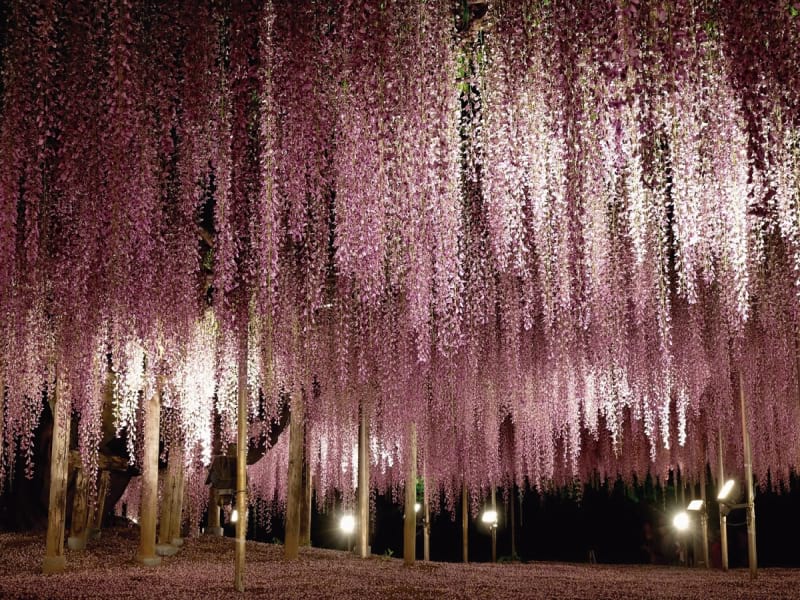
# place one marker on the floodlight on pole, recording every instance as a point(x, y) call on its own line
point(681, 521)
point(489, 517)
point(726, 490)
point(696, 505)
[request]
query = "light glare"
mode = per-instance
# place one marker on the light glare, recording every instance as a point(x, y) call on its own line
point(347, 524)
point(681, 521)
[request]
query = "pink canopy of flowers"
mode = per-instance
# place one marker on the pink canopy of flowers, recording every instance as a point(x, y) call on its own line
point(552, 242)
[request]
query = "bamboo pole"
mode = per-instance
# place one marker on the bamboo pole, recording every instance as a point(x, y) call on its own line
point(752, 559)
point(291, 547)
point(54, 561)
point(241, 464)
point(149, 502)
point(100, 504)
point(363, 483)
point(723, 518)
point(80, 512)
point(464, 523)
point(410, 525)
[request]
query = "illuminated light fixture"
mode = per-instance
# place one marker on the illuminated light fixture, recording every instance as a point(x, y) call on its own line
point(681, 521)
point(417, 507)
point(234, 515)
point(726, 490)
point(695, 505)
point(489, 517)
point(347, 524)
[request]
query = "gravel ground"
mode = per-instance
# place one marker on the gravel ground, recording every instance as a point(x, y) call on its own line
point(204, 569)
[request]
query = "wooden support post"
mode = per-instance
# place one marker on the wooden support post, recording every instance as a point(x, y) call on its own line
point(54, 561)
point(464, 523)
point(305, 505)
point(214, 527)
point(426, 520)
point(682, 481)
point(164, 521)
point(723, 518)
point(241, 463)
point(410, 525)
point(2, 410)
point(796, 374)
point(149, 502)
point(512, 501)
point(494, 527)
point(704, 514)
point(100, 504)
point(748, 476)
point(80, 512)
point(675, 484)
point(291, 547)
point(363, 483)
point(176, 517)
